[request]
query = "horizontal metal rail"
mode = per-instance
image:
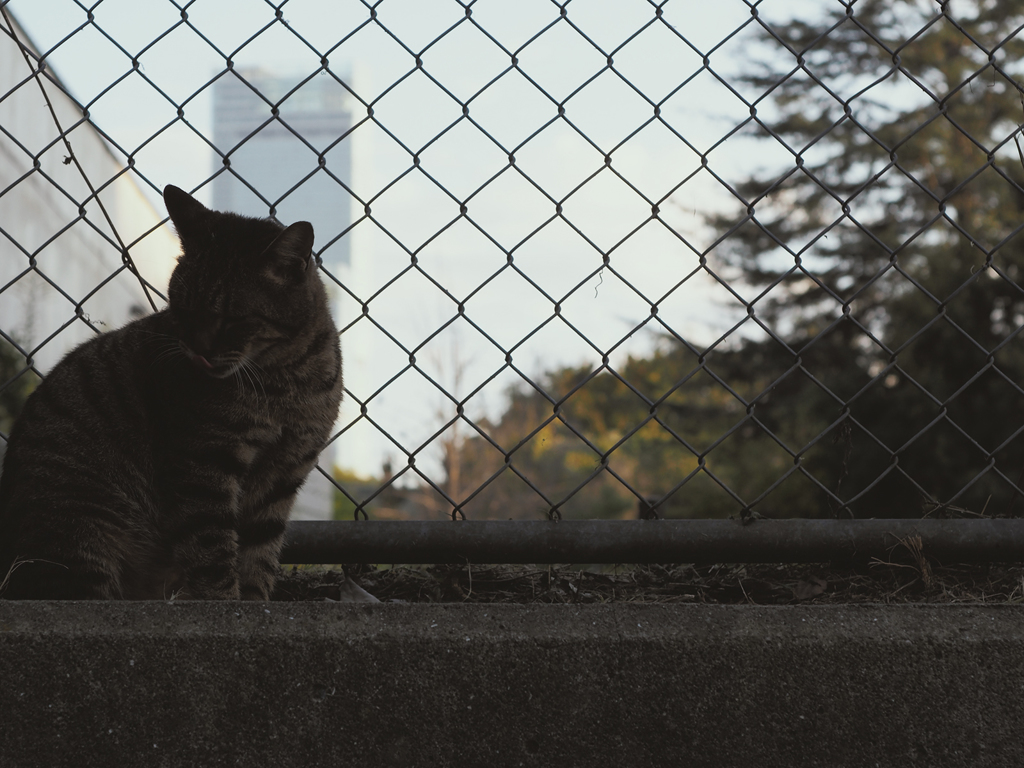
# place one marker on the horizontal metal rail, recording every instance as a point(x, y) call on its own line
point(653, 541)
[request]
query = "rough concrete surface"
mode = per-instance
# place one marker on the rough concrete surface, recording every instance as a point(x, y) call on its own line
point(328, 684)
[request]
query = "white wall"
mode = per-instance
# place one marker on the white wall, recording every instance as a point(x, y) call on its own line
point(45, 242)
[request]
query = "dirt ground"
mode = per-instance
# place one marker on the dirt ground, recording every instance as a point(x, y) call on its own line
point(876, 582)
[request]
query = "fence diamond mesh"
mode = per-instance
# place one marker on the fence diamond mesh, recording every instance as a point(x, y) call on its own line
point(590, 259)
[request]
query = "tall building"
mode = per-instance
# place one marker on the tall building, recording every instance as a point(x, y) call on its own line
point(274, 168)
point(279, 160)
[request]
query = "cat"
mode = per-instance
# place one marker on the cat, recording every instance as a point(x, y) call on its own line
point(161, 460)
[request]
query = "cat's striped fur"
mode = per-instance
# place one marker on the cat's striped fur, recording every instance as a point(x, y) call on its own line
point(161, 460)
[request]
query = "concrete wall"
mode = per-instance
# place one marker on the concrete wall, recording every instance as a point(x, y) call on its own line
point(333, 684)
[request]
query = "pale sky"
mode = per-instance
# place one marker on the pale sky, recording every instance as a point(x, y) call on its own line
point(556, 259)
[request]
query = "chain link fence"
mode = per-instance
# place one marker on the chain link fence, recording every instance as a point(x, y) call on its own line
point(590, 259)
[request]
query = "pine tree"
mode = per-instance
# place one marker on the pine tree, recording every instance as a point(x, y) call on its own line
point(894, 250)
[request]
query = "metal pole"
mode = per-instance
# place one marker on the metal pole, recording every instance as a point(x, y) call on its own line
point(651, 541)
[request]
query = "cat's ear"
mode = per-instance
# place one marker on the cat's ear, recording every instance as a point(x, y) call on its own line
point(187, 213)
point(288, 258)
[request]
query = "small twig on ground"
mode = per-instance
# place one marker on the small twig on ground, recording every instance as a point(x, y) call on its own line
point(18, 562)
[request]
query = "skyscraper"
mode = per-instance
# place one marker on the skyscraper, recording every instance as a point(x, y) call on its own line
point(280, 160)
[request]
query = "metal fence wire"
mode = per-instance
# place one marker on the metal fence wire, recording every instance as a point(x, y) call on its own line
point(746, 259)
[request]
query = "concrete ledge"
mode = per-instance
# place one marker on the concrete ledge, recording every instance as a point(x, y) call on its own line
point(328, 684)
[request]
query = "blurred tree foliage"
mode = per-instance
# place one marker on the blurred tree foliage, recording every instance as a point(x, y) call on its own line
point(664, 426)
point(883, 357)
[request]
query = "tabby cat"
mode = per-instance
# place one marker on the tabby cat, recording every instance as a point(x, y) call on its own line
point(161, 460)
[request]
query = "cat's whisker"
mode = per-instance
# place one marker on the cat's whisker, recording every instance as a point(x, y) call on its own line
point(241, 375)
point(164, 336)
point(261, 394)
point(165, 354)
point(251, 371)
point(254, 365)
point(168, 347)
point(168, 352)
